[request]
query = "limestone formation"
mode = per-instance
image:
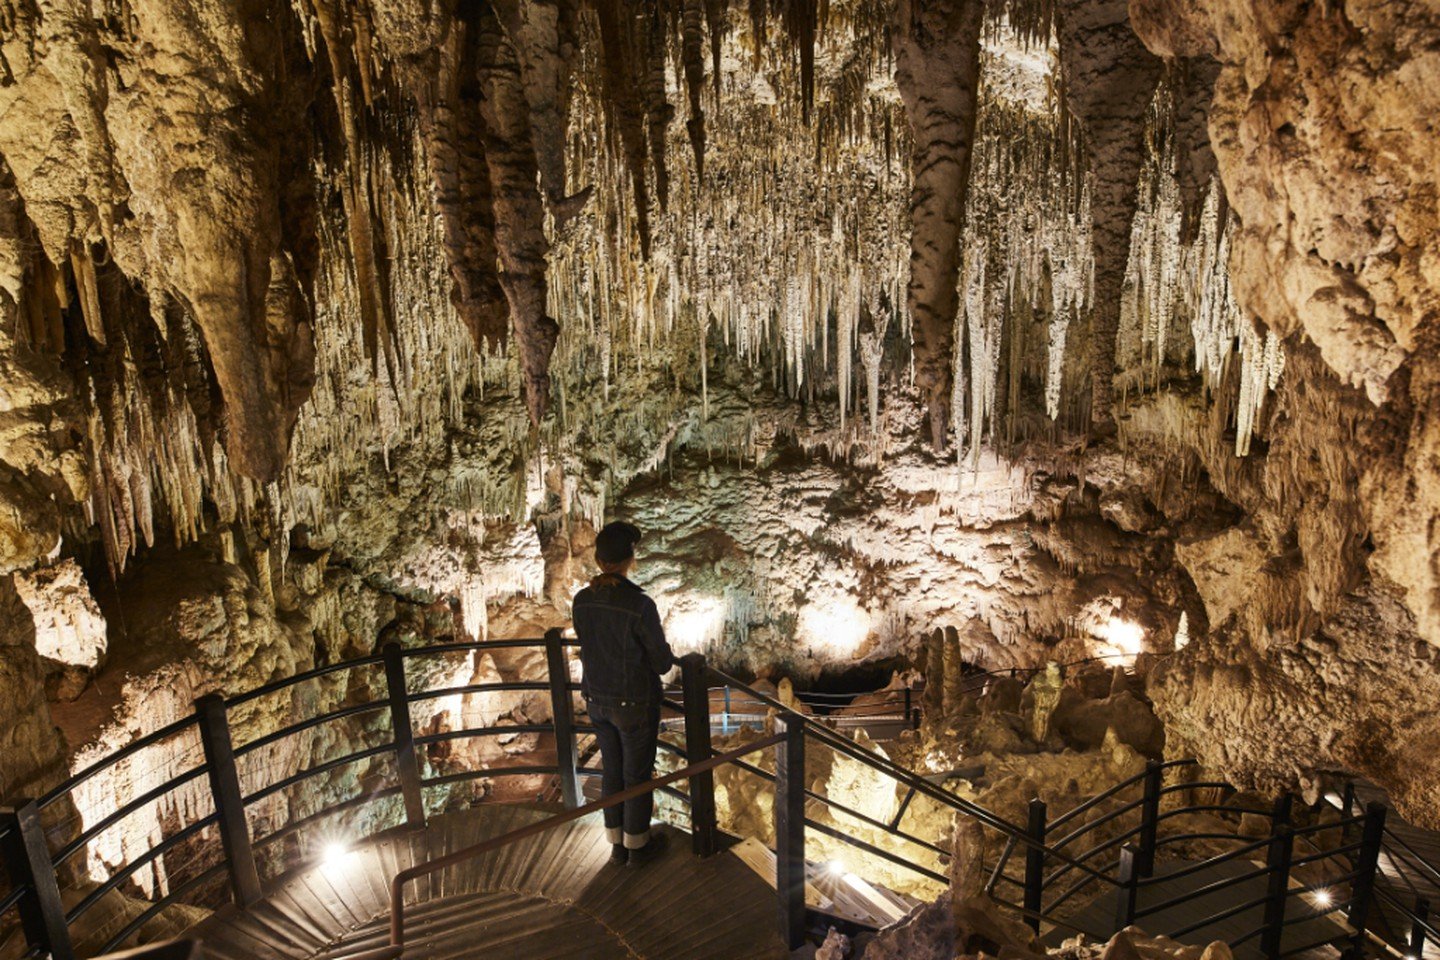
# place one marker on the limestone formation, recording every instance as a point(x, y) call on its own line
point(921, 338)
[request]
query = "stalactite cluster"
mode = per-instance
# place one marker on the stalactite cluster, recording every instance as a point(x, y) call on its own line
point(772, 251)
point(1027, 249)
point(1177, 296)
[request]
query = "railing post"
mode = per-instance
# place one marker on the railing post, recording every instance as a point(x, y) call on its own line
point(1417, 928)
point(1150, 817)
point(229, 801)
point(28, 863)
point(703, 826)
point(1128, 891)
point(1347, 810)
point(1279, 856)
point(407, 764)
point(790, 829)
point(900, 810)
point(562, 708)
point(1362, 891)
point(1035, 864)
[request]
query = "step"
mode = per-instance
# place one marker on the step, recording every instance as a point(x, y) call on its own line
point(552, 895)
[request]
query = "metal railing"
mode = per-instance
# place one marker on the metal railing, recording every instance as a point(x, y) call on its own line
point(36, 859)
point(1128, 839)
point(794, 731)
point(897, 705)
point(1406, 885)
point(172, 950)
point(1062, 857)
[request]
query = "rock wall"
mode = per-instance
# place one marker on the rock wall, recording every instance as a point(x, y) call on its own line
point(1318, 123)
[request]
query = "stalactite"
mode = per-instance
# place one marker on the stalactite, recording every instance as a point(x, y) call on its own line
point(692, 55)
point(937, 57)
point(1027, 246)
point(1177, 295)
point(801, 19)
point(449, 113)
point(625, 79)
point(1109, 77)
point(872, 349)
point(542, 34)
point(658, 109)
point(519, 213)
point(359, 218)
point(1152, 273)
point(765, 248)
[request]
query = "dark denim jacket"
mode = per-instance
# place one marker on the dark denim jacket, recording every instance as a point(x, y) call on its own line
point(622, 645)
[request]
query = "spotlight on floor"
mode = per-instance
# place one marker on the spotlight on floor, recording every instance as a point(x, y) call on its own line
point(334, 853)
point(836, 868)
point(1322, 899)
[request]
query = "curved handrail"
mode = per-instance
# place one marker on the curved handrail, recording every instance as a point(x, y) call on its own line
point(284, 683)
point(910, 779)
point(814, 727)
point(110, 759)
point(78, 839)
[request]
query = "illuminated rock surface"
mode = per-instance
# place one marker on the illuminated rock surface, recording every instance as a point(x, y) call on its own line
point(916, 339)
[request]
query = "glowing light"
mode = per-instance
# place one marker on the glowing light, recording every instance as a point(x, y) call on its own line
point(1127, 638)
point(836, 868)
point(334, 853)
point(695, 622)
point(836, 628)
point(1322, 899)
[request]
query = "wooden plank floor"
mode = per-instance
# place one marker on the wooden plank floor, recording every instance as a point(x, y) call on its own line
point(555, 895)
point(1099, 915)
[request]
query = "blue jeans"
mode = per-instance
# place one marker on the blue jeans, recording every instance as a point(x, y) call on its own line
point(627, 736)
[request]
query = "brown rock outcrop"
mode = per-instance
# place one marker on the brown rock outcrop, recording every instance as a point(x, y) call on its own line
point(31, 753)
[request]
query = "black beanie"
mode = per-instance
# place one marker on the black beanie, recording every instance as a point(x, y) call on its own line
point(615, 543)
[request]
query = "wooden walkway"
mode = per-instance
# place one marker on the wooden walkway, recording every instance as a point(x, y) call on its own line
point(552, 896)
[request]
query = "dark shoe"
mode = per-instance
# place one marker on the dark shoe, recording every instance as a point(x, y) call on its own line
point(618, 853)
point(653, 850)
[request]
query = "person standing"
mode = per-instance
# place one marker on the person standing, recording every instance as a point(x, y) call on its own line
point(624, 652)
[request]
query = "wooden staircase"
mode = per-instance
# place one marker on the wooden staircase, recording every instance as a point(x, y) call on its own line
point(555, 895)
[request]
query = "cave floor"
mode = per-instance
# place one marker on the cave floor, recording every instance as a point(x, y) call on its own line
point(555, 895)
